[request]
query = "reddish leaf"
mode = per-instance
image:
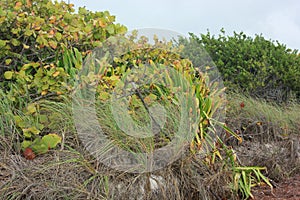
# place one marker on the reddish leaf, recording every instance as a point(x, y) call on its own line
point(28, 154)
point(242, 105)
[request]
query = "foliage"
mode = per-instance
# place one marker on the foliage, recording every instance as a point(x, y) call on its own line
point(6, 115)
point(36, 39)
point(34, 35)
point(247, 177)
point(42, 48)
point(243, 177)
point(148, 66)
point(247, 64)
point(32, 121)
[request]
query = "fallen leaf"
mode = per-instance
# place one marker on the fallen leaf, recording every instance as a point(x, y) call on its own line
point(28, 154)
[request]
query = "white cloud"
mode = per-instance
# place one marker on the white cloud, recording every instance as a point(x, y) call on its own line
point(283, 25)
point(275, 19)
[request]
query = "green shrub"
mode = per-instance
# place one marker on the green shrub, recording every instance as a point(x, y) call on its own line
point(42, 45)
point(248, 64)
point(33, 37)
point(151, 67)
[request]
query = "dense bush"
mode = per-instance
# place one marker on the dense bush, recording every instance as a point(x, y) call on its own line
point(248, 64)
point(33, 36)
point(42, 46)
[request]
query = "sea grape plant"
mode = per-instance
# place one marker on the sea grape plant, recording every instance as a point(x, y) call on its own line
point(36, 38)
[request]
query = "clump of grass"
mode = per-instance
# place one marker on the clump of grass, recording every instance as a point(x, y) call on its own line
point(246, 114)
point(8, 130)
point(142, 119)
point(61, 119)
point(6, 115)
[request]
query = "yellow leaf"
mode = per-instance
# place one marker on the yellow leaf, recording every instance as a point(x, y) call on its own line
point(259, 123)
point(51, 140)
point(75, 35)
point(25, 46)
point(34, 130)
point(2, 19)
point(53, 44)
point(55, 74)
point(51, 33)
point(52, 19)
point(26, 133)
point(8, 61)
point(44, 92)
point(31, 109)
point(18, 5)
point(205, 122)
point(37, 28)
point(102, 24)
point(28, 2)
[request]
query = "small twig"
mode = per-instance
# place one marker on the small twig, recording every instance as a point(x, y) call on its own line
point(44, 96)
point(156, 124)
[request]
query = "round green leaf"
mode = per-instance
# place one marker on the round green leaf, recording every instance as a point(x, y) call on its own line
point(8, 75)
point(51, 140)
point(25, 144)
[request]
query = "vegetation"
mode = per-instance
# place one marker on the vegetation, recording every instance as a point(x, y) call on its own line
point(34, 37)
point(248, 65)
point(56, 63)
point(254, 112)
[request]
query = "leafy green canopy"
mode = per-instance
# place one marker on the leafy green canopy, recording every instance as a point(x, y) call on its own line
point(248, 64)
point(33, 36)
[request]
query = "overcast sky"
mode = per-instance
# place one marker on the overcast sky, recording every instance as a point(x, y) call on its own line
point(274, 19)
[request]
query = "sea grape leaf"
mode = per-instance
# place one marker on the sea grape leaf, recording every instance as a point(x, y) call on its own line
point(25, 144)
point(31, 108)
point(51, 140)
point(8, 75)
